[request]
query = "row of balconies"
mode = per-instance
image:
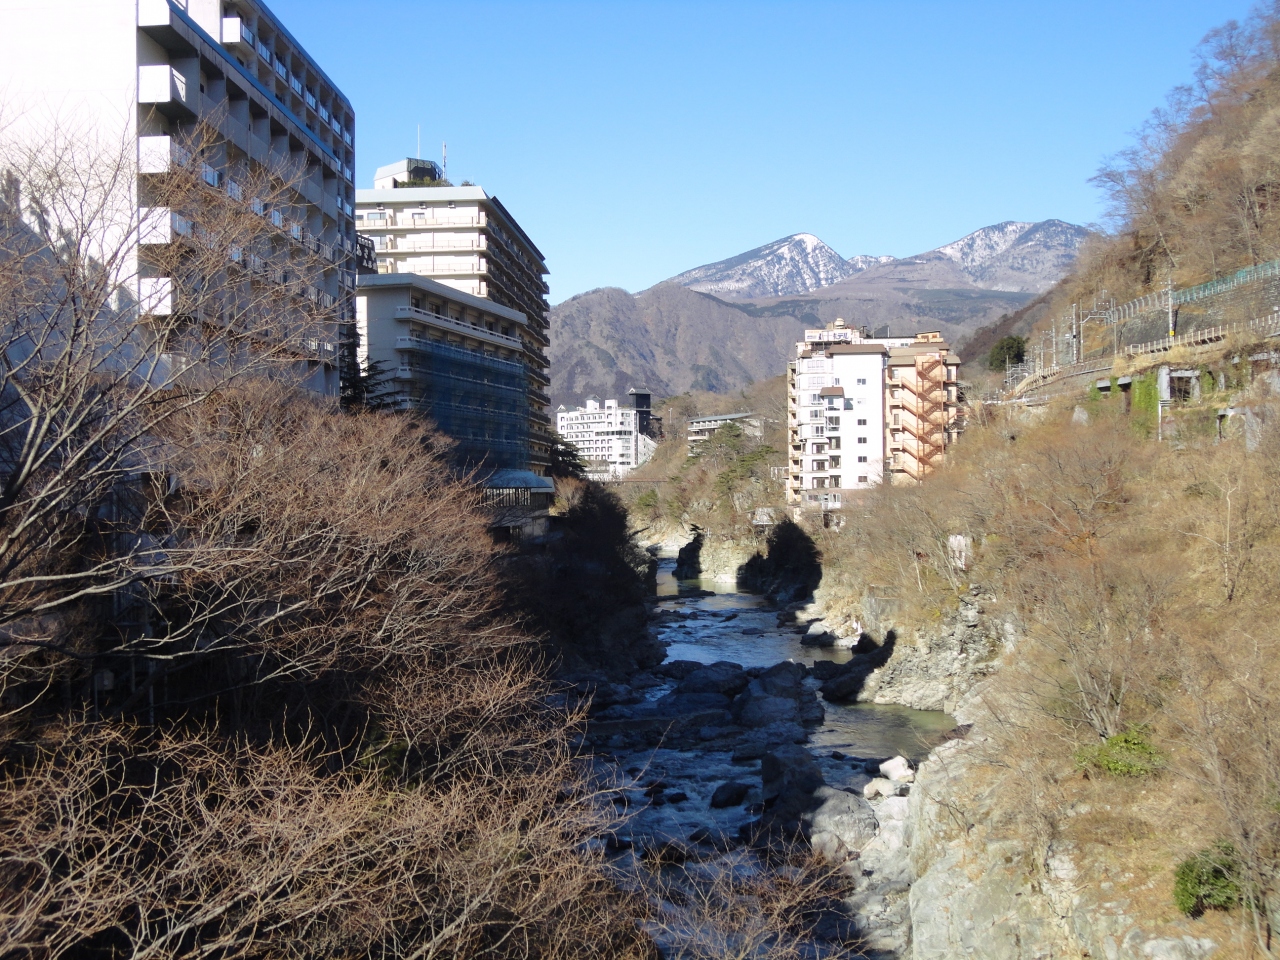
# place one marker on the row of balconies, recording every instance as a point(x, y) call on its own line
point(158, 19)
point(378, 219)
point(428, 244)
point(166, 89)
point(237, 34)
point(458, 326)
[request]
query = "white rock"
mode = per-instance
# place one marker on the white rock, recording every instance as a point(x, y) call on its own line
point(897, 769)
point(880, 787)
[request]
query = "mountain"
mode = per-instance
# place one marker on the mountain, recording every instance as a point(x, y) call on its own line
point(723, 325)
point(783, 268)
point(1022, 257)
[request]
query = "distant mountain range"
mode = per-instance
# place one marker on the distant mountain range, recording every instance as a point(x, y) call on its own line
point(723, 325)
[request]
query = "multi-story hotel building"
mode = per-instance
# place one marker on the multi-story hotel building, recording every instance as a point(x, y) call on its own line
point(611, 437)
point(465, 239)
point(864, 411)
point(461, 360)
point(153, 73)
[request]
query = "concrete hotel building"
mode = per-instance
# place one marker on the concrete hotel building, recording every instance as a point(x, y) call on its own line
point(462, 238)
point(864, 411)
point(150, 71)
point(611, 438)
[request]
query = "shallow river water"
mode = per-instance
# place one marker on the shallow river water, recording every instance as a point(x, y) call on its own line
point(740, 627)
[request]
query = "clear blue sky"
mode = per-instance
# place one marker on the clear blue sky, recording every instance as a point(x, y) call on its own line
point(637, 140)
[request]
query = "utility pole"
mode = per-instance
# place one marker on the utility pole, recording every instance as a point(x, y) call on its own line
point(1169, 288)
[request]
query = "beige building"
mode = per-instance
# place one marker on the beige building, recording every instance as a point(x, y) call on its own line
point(465, 239)
point(864, 411)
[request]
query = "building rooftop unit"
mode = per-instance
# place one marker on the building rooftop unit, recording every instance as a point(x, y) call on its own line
point(406, 172)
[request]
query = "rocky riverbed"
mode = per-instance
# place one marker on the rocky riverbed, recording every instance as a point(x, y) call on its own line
point(748, 737)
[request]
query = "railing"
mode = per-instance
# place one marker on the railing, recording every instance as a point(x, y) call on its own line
point(1266, 326)
point(479, 333)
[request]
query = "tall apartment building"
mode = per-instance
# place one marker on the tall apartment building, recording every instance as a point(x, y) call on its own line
point(864, 411)
point(465, 239)
point(612, 438)
point(151, 72)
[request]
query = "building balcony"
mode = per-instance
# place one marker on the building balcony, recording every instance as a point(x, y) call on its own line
point(454, 326)
point(164, 88)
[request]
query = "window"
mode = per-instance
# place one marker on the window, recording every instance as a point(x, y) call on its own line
point(815, 398)
point(833, 422)
point(835, 443)
point(862, 439)
point(819, 465)
point(835, 463)
point(815, 414)
point(376, 215)
point(819, 483)
point(862, 459)
point(862, 479)
point(819, 448)
point(862, 381)
point(835, 480)
point(862, 423)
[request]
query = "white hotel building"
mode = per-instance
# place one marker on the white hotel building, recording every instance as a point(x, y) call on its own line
point(148, 73)
point(612, 439)
point(863, 411)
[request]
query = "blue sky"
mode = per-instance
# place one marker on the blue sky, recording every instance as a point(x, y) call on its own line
point(637, 140)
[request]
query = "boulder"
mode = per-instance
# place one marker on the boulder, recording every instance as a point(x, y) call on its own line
point(841, 825)
point(752, 632)
point(789, 773)
point(731, 793)
point(897, 769)
point(679, 703)
point(677, 669)
point(880, 787)
point(763, 711)
point(784, 679)
point(723, 677)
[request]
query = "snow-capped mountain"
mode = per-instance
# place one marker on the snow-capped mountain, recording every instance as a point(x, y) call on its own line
point(1017, 257)
point(786, 267)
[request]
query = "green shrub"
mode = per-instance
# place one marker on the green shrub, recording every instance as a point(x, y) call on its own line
point(1009, 349)
point(1128, 754)
point(1206, 881)
point(648, 502)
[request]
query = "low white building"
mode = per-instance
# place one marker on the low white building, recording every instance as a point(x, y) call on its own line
point(700, 428)
point(612, 438)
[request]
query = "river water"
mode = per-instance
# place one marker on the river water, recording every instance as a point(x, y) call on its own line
point(739, 626)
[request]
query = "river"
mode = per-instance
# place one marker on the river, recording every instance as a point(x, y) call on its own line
point(741, 627)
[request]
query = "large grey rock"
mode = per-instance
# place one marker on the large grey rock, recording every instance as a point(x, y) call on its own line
point(840, 825)
point(723, 677)
point(762, 711)
point(731, 793)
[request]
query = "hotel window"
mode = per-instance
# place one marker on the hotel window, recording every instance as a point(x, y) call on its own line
point(862, 381)
point(862, 479)
point(815, 414)
point(862, 439)
point(835, 481)
point(835, 463)
point(862, 459)
point(835, 443)
point(819, 465)
point(862, 423)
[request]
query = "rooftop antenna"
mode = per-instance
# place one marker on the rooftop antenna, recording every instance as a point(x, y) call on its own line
point(419, 153)
point(444, 156)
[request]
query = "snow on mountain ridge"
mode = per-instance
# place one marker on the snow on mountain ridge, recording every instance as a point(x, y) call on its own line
point(793, 265)
point(982, 246)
